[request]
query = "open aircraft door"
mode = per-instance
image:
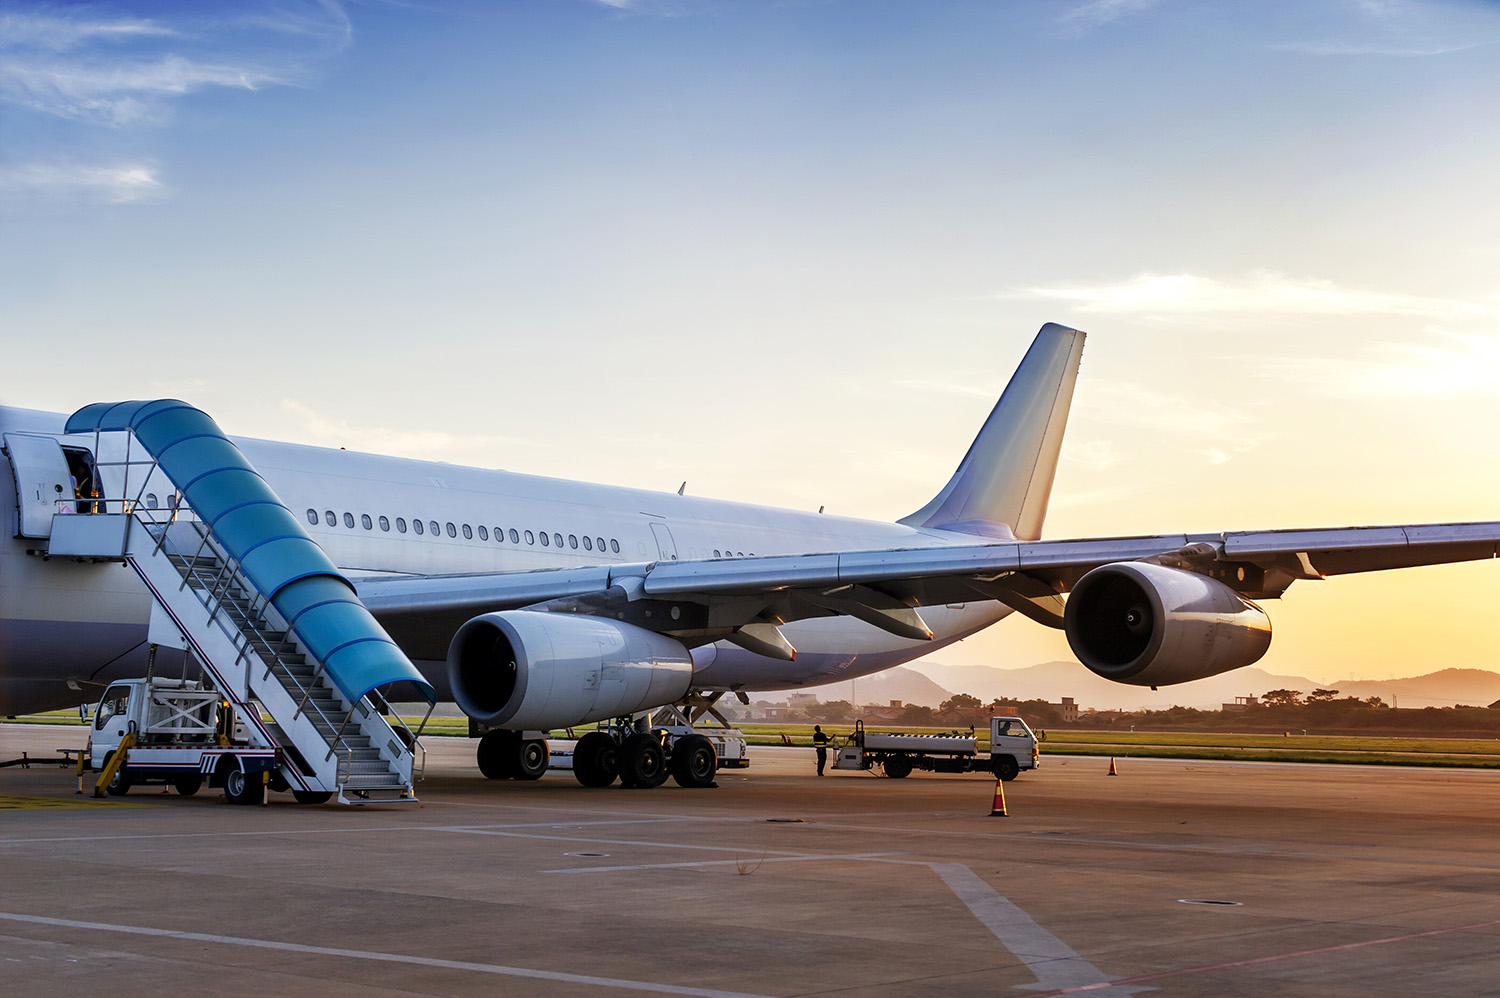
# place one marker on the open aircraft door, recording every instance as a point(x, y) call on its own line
point(42, 479)
point(666, 547)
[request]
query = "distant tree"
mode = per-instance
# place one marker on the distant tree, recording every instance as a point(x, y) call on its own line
point(960, 701)
point(835, 710)
point(1374, 702)
point(1322, 696)
point(916, 714)
point(1282, 698)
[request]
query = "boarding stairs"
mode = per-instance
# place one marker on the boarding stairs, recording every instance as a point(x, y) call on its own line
point(205, 600)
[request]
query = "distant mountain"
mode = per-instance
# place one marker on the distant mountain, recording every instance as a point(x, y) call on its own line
point(900, 683)
point(1053, 680)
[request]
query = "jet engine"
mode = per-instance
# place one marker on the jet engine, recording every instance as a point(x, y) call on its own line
point(1148, 625)
point(521, 669)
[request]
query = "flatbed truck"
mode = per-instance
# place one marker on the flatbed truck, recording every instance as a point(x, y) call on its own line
point(1013, 748)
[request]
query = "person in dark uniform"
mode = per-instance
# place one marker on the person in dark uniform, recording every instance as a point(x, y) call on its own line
point(820, 742)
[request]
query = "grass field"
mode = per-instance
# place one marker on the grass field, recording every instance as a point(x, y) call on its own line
point(1368, 750)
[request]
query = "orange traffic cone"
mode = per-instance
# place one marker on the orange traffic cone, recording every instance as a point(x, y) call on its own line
point(997, 810)
point(1112, 770)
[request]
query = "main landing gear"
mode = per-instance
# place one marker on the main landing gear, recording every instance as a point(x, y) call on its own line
point(509, 755)
point(639, 757)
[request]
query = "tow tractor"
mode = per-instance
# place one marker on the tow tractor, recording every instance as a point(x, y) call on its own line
point(182, 733)
point(1013, 747)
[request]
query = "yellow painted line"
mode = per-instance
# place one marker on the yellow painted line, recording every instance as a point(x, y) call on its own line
point(15, 802)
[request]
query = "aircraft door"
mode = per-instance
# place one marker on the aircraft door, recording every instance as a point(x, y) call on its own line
point(665, 546)
point(42, 479)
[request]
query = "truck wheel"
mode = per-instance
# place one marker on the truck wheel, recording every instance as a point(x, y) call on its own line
point(499, 754)
point(897, 767)
point(119, 784)
point(240, 787)
point(531, 759)
point(188, 785)
point(1007, 768)
point(642, 762)
point(694, 761)
point(311, 796)
point(595, 761)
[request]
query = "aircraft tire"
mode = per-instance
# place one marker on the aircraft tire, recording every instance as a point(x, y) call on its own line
point(897, 767)
point(643, 763)
point(596, 760)
point(694, 762)
point(186, 786)
point(241, 787)
point(1006, 768)
point(531, 759)
point(498, 754)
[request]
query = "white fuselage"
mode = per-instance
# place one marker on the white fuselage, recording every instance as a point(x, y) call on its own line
point(62, 621)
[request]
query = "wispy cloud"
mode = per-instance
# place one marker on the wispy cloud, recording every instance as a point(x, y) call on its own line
point(1336, 48)
point(1405, 30)
point(433, 445)
point(50, 182)
point(1450, 364)
point(126, 71)
point(1099, 12)
point(1259, 293)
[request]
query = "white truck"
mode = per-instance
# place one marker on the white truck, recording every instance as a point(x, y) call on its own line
point(1013, 747)
point(182, 733)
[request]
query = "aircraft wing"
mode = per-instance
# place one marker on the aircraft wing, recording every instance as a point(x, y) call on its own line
point(712, 599)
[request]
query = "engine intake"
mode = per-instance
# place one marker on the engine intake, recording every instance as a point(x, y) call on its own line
point(521, 669)
point(1148, 625)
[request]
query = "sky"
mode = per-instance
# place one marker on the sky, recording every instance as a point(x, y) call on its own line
point(790, 253)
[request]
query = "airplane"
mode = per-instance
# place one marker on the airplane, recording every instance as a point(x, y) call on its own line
point(537, 603)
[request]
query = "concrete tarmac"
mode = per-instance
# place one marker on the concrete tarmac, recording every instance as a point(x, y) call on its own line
point(1327, 881)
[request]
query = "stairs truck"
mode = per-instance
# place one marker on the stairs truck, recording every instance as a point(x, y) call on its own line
point(1013, 747)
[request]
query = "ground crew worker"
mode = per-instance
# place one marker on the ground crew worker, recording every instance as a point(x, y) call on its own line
point(820, 742)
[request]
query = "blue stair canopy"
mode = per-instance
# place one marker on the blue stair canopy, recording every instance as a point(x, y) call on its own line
point(257, 530)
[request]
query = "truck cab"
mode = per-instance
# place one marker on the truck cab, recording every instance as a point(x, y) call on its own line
point(1013, 747)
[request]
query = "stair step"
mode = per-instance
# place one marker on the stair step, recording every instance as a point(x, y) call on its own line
point(375, 782)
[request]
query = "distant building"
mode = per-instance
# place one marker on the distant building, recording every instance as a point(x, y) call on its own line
point(1240, 703)
point(884, 715)
point(801, 699)
point(1068, 709)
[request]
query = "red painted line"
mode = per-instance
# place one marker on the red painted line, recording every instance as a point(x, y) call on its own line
point(1264, 959)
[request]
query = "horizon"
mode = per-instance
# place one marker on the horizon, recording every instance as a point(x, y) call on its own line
point(791, 253)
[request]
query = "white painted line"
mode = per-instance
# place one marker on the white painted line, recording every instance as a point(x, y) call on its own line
point(1055, 964)
point(749, 859)
point(354, 954)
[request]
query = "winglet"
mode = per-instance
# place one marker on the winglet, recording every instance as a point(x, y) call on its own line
point(1002, 485)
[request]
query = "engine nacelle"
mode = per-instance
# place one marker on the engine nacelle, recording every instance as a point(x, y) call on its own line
point(1147, 625)
point(521, 669)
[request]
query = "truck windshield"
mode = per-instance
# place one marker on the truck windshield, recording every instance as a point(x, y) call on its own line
point(1013, 729)
point(116, 701)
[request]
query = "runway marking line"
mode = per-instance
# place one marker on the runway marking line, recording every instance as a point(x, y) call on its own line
point(16, 802)
point(1269, 959)
point(354, 954)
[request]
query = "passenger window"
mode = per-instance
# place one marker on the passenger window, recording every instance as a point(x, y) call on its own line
point(543, 536)
point(365, 521)
point(452, 530)
point(400, 525)
point(588, 543)
point(151, 504)
point(557, 539)
point(716, 552)
point(333, 521)
point(385, 524)
point(312, 514)
point(614, 545)
point(515, 538)
point(529, 538)
point(416, 525)
point(599, 541)
point(349, 520)
point(573, 541)
point(484, 534)
point(432, 525)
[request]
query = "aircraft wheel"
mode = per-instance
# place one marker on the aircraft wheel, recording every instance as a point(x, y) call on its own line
point(897, 767)
point(312, 796)
point(531, 759)
point(643, 763)
point(242, 787)
point(1007, 768)
point(499, 754)
point(596, 760)
point(694, 761)
point(188, 785)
